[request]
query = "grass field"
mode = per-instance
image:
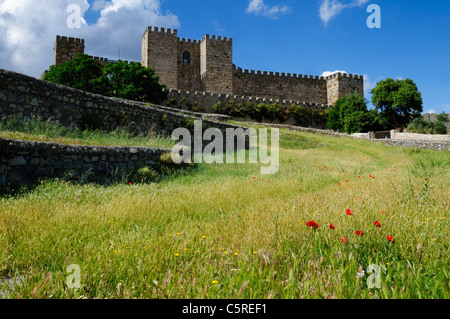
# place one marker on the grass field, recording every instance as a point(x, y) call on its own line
point(225, 231)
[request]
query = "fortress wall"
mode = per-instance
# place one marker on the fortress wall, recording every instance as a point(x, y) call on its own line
point(205, 101)
point(29, 161)
point(25, 96)
point(280, 86)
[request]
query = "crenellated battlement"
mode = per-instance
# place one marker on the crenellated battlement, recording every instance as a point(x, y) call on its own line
point(69, 39)
point(188, 41)
point(344, 75)
point(217, 38)
point(162, 30)
point(239, 70)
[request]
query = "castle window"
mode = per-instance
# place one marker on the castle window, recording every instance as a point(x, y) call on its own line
point(186, 57)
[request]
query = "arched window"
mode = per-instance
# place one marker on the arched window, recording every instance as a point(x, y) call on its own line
point(186, 57)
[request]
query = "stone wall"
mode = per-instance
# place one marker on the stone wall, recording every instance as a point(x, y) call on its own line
point(24, 97)
point(395, 135)
point(205, 101)
point(282, 86)
point(28, 161)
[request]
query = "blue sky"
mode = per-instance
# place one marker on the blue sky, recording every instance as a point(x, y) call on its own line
point(292, 36)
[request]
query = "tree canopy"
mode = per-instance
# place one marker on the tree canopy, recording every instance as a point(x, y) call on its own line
point(398, 101)
point(130, 81)
point(350, 114)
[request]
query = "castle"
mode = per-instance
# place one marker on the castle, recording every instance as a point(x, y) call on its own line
point(207, 66)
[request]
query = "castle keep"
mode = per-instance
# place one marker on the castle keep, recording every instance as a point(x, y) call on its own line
point(207, 66)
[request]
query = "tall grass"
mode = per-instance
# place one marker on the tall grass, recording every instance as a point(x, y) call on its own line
point(225, 231)
point(53, 131)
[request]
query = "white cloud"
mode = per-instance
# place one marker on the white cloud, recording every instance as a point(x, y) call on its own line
point(328, 73)
point(430, 111)
point(368, 85)
point(258, 7)
point(331, 8)
point(28, 30)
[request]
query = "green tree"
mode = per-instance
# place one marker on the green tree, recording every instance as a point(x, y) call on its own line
point(132, 81)
point(442, 117)
point(78, 73)
point(122, 80)
point(350, 114)
point(398, 101)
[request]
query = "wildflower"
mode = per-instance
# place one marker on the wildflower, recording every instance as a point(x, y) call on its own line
point(312, 224)
point(215, 282)
point(131, 183)
point(339, 184)
point(360, 274)
point(377, 223)
point(344, 240)
point(359, 233)
point(332, 226)
point(349, 212)
point(177, 254)
point(391, 238)
point(203, 237)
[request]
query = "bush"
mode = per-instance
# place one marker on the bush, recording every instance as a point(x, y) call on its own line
point(422, 126)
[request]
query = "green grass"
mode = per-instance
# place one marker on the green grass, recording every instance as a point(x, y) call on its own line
point(225, 231)
point(51, 131)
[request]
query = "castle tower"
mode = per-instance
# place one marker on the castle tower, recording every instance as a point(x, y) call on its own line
point(159, 52)
point(67, 48)
point(216, 64)
point(342, 84)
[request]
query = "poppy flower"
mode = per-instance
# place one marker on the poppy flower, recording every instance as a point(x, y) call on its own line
point(377, 223)
point(349, 212)
point(339, 184)
point(391, 238)
point(344, 240)
point(312, 224)
point(332, 226)
point(359, 233)
point(131, 183)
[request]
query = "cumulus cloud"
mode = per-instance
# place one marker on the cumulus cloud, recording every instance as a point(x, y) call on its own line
point(328, 73)
point(331, 8)
point(28, 30)
point(258, 7)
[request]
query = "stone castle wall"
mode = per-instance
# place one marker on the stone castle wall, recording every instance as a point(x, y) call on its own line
point(25, 96)
point(273, 85)
point(29, 161)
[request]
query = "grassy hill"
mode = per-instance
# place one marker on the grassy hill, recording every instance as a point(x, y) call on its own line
point(225, 231)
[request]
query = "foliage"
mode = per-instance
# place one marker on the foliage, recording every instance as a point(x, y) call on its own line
point(350, 114)
point(442, 117)
point(304, 116)
point(130, 81)
point(423, 126)
point(79, 73)
point(398, 101)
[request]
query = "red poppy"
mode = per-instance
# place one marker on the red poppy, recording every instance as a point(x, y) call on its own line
point(325, 167)
point(131, 183)
point(377, 223)
point(349, 212)
point(391, 238)
point(254, 177)
point(359, 233)
point(332, 226)
point(344, 240)
point(339, 184)
point(312, 224)
point(381, 213)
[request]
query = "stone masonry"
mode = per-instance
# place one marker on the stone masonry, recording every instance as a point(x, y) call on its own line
point(207, 66)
